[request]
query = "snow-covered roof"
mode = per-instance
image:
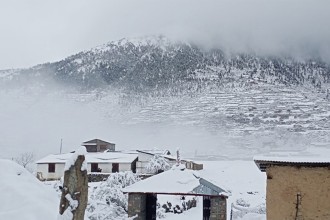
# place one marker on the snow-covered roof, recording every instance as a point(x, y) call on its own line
point(293, 159)
point(174, 181)
point(154, 151)
point(106, 157)
point(164, 153)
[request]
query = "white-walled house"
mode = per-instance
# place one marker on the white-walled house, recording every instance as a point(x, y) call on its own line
point(52, 166)
point(144, 157)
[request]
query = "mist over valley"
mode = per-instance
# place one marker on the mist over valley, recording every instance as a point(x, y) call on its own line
point(153, 92)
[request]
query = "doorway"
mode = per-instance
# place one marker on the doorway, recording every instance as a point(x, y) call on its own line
point(115, 167)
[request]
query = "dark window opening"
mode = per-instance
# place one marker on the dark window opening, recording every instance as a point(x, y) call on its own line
point(51, 168)
point(115, 167)
point(95, 167)
point(151, 203)
point(92, 148)
point(160, 171)
point(206, 207)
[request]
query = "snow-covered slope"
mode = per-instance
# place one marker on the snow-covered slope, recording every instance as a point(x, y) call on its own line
point(23, 196)
point(149, 63)
point(243, 104)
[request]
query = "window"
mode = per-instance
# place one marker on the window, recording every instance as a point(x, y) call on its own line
point(51, 168)
point(94, 167)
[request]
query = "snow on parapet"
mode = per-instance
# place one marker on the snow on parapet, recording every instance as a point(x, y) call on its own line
point(294, 157)
point(70, 162)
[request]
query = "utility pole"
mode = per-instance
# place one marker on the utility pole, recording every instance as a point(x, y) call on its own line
point(178, 159)
point(61, 146)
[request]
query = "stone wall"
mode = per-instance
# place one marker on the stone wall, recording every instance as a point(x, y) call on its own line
point(97, 177)
point(137, 206)
point(218, 208)
point(285, 183)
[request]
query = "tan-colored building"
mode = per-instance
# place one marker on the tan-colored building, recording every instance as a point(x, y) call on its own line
point(297, 188)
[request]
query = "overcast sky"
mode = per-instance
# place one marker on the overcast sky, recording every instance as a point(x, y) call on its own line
point(38, 31)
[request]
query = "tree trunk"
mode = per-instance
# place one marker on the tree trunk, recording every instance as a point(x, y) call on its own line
point(75, 185)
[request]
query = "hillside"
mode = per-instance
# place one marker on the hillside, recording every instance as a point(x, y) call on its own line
point(247, 103)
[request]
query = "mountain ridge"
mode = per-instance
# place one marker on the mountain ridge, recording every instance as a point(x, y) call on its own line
point(151, 63)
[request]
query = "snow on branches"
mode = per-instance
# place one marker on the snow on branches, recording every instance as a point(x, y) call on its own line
point(156, 164)
point(107, 201)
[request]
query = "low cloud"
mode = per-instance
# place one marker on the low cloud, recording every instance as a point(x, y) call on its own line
point(40, 31)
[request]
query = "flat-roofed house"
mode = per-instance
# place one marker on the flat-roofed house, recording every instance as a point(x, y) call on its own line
point(52, 166)
point(298, 187)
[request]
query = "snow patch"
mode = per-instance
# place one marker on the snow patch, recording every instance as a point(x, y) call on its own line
point(70, 162)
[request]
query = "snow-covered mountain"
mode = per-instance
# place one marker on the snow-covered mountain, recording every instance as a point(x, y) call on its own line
point(157, 62)
point(252, 102)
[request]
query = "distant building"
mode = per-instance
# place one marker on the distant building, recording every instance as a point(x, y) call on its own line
point(97, 145)
point(298, 188)
point(52, 166)
point(144, 157)
point(101, 157)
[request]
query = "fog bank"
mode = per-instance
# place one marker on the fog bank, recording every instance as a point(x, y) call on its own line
point(39, 31)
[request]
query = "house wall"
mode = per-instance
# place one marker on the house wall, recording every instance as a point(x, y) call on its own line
point(218, 208)
point(107, 167)
point(124, 167)
point(101, 147)
point(144, 157)
point(98, 146)
point(59, 171)
point(193, 166)
point(141, 166)
point(112, 147)
point(137, 206)
point(143, 160)
point(285, 182)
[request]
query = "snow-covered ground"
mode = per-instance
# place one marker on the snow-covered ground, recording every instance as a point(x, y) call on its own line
point(246, 186)
point(23, 196)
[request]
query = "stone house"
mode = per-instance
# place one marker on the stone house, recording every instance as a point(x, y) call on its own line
point(142, 196)
point(298, 188)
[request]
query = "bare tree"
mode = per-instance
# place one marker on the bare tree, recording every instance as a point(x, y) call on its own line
point(24, 159)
